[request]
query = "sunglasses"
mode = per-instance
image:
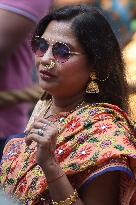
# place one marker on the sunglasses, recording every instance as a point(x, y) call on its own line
point(61, 51)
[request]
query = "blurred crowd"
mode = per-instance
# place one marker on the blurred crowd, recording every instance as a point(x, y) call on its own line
point(121, 14)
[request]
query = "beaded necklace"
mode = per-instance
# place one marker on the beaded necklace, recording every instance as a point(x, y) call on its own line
point(50, 103)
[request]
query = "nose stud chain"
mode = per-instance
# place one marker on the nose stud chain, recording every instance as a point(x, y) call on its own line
point(49, 66)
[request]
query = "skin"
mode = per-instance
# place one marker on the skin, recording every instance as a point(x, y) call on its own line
point(73, 74)
point(67, 89)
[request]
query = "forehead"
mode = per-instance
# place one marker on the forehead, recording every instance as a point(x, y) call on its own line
point(60, 31)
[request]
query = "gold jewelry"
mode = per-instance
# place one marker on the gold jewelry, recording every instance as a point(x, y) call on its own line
point(53, 180)
point(50, 103)
point(49, 66)
point(47, 108)
point(70, 200)
point(93, 85)
point(106, 78)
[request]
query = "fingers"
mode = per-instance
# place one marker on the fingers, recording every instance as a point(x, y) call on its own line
point(41, 131)
point(28, 129)
point(42, 122)
point(34, 137)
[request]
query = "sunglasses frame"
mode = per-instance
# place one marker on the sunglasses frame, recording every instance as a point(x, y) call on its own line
point(53, 44)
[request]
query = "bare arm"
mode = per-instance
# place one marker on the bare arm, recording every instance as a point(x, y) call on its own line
point(13, 30)
point(104, 190)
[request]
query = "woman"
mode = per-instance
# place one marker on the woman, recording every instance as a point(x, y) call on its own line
point(80, 145)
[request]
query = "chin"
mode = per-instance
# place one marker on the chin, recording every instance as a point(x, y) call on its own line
point(46, 87)
point(43, 86)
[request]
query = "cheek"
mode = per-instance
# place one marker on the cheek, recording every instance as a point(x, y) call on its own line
point(77, 68)
point(37, 62)
point(75, 73)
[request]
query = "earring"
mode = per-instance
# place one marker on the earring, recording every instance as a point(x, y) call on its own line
point(92, 86)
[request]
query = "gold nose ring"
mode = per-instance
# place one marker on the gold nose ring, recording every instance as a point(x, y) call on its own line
point(49, 66)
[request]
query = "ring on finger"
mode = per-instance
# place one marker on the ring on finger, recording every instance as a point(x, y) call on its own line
point(49, 123)
point(40, 132)
point(44, 127)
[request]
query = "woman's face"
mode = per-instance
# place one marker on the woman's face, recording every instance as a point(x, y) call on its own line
point(65, 79)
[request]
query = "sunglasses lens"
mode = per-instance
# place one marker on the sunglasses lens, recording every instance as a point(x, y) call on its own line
point(39, 46)
point(61, 52)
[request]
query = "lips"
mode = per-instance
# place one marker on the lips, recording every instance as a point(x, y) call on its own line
point(46, 75)
point(44, 72)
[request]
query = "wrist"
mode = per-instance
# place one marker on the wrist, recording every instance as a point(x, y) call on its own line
point(50, 164)
point(52, 171)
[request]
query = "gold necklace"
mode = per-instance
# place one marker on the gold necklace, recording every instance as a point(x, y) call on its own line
point(50, 103)
point(78, 106)
point(48, 107)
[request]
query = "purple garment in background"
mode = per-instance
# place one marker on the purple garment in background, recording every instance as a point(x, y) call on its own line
point(33, 9)
point(16, 74)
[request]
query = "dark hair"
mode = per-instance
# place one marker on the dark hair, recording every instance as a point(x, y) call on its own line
point(102, 49)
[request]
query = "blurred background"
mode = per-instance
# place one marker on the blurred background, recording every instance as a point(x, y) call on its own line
point(121, 14)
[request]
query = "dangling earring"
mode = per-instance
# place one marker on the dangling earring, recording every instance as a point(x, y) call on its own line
point(92, 87)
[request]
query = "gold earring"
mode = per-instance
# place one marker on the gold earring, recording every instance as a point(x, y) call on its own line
point(92, 86)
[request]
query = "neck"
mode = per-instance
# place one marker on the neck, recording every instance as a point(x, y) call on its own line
point(65, 104)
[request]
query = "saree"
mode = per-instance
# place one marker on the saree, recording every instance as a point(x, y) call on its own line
point(92, 141)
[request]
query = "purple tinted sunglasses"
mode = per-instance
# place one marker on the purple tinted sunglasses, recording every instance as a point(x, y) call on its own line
point(61, 51)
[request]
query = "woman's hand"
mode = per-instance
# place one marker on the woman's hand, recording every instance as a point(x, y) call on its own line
point(46, 142)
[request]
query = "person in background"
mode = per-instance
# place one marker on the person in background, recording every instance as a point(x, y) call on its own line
point(80, 143)
point(17, 20)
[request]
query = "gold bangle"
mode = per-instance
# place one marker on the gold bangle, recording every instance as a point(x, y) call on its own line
point(70, 200)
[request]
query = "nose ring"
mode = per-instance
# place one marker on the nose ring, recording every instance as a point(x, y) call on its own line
point(49, 66)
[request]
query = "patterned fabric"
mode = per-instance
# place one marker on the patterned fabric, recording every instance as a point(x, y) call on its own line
point(93, 140)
